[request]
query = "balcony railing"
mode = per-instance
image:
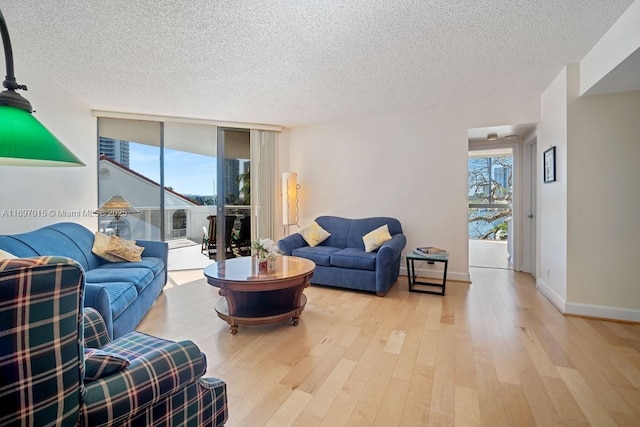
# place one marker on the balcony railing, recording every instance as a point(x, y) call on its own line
point(181, 222)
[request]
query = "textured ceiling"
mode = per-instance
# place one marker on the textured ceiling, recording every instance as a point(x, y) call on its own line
point(301, 62)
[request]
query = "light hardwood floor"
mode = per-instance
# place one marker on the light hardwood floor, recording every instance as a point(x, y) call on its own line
point(491, 353)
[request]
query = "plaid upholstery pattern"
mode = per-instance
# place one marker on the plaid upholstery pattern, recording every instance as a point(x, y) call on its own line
point(99, 363)
point(42, 365)
point(203, 403)
point(168, 389)
point(40, 342)
point(95, 331)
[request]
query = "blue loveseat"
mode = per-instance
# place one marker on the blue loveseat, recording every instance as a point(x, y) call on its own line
point(341, 259)
point(122, 292)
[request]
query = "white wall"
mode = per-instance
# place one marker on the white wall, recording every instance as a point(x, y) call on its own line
point(53, 191)
point(588, 219)
point(551, 198)
point(603, 203)
point(411, 166)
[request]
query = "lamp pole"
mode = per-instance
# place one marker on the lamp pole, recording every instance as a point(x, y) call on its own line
point(10, 97)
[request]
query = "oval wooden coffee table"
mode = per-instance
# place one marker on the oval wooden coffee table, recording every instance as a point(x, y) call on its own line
point(252, 297)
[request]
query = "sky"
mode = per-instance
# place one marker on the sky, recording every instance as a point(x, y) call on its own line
point(186, 173)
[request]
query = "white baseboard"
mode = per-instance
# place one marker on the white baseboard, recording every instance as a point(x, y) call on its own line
point(589, 310)
point(553, 296)
point(603, 312)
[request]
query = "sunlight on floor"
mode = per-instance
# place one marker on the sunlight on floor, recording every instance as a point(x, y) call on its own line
point(186, 262)
point(488, 253)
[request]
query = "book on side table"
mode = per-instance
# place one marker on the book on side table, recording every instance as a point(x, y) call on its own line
point(430, 251)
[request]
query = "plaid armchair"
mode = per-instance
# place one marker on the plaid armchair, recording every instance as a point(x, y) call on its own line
point(51, 375)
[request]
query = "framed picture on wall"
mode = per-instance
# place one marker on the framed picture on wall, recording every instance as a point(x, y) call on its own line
point(549, 162)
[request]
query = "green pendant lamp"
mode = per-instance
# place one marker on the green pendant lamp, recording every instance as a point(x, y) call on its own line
point(24, 141)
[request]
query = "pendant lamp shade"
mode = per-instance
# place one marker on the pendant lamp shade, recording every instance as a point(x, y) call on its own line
point(24, 141)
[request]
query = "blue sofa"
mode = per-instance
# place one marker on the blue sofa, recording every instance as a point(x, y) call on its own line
point(341, 259)
point(122, 292)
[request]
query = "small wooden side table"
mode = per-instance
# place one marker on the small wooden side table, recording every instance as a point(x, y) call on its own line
point(412, 275)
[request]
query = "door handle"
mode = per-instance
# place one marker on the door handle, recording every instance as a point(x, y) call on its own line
point(530, 215)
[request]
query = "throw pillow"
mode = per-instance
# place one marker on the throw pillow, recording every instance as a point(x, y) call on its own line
point(125, 249)
point(374, 239)
point(100, 246)
point(313, 234)
point(98, 363)
point(6, 255)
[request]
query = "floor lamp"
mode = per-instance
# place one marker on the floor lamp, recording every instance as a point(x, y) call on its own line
point(289, 198)
point(117, 206)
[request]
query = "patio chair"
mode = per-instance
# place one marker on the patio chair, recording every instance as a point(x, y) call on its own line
point(232, 227)
point(244, 237)
point(209, 237)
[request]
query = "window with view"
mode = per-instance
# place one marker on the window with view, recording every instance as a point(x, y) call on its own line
point(490, 193)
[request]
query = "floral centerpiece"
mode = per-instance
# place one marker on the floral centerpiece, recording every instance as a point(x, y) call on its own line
point(265, 249)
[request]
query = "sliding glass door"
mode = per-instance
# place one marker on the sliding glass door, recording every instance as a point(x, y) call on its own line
point(192, 183)
point(189, 165)
point(129, 166)
point(233, 217)
point(172, 174)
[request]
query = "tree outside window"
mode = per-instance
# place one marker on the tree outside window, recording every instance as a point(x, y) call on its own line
point(490, 182)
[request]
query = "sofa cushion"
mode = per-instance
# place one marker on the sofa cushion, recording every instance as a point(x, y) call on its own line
point(17, 247)
point(154, 264)
point(48, 242)
point(360, 227)
point(339, 229)
point(321, 255)
point(139, 277)
point(82, 237)
point(354, 258)
point(376, 238)
point(313, 234)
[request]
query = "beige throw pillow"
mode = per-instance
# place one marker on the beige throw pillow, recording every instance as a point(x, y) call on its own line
point(115, 249)
point(100, 246)
point(313, 234)
point(6, 255)
point(376, 238)
point(125, 249)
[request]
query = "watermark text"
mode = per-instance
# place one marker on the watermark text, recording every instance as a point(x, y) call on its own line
point(59, 213)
